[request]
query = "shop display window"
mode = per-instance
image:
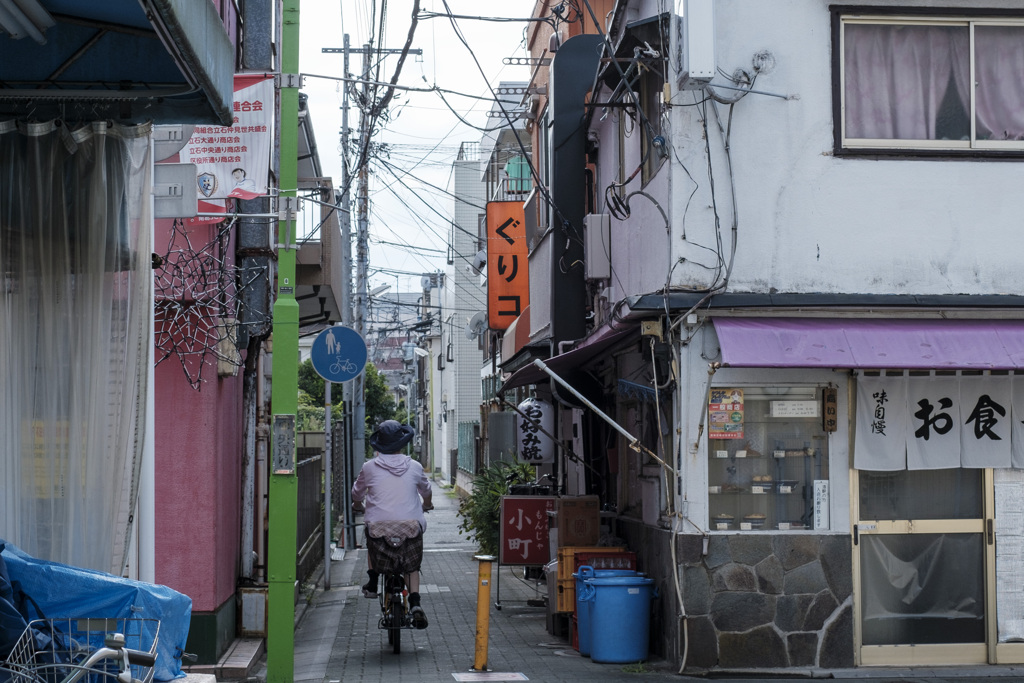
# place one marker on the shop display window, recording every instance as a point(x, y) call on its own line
point(768, 457)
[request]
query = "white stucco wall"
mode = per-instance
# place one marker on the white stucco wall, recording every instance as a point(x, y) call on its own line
point(462, 297)
point(807, 221)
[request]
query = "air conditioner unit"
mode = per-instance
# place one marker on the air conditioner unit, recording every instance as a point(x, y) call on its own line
point(696, 44)
point(597, 250)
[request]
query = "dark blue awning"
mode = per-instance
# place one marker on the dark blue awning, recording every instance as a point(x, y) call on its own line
point(166, 61)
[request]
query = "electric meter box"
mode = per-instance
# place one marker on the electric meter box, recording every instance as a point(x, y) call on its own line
point(696, 44)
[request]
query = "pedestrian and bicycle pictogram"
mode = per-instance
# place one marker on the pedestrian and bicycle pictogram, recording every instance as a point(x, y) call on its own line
point(343, 366)
point(338, 354)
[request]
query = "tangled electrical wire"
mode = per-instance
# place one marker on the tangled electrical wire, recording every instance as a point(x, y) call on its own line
point(198, 302)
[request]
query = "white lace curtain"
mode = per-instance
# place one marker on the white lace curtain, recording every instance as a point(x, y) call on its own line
point(74, 336)
point(898, 77)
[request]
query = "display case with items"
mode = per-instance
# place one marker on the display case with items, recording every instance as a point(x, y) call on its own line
point(768, 458)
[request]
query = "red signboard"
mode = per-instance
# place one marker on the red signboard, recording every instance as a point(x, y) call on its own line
point(524, 530)
point(508, 270)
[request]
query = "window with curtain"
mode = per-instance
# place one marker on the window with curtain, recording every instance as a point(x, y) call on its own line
point(932, 84)
point(74, 336)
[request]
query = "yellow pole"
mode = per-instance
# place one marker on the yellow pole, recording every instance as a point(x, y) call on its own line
point(483, 610)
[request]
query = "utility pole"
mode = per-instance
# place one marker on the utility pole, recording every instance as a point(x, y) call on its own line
point(362, 231)
point(349, 456)
point(283, 487)
point(362, 257)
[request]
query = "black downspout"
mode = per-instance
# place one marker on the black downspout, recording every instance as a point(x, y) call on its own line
point(572, 73)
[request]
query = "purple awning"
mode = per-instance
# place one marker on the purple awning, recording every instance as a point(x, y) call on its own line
point(871, 343)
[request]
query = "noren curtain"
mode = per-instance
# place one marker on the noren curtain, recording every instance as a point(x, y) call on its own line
point(74, 336)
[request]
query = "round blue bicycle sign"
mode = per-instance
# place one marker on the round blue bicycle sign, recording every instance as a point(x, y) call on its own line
point(338, 354)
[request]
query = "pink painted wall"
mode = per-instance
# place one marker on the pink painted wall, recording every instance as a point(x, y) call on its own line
point(198, 474)
point(199, 443)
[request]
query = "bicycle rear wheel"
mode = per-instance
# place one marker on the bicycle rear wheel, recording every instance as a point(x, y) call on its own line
point(397, 619)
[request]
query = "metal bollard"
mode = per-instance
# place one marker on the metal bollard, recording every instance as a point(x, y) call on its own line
point(483, 610)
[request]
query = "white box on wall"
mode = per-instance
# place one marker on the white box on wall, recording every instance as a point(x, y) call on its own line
point(697, 45)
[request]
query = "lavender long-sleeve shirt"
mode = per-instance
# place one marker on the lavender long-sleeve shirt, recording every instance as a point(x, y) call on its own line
point(390, 486)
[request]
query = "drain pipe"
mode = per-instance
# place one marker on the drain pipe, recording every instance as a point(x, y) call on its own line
point(712, 369)
point(694, 447)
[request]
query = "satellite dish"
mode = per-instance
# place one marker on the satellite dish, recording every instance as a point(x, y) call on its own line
point(480, 260)
point(477, 325)
point(425, 282)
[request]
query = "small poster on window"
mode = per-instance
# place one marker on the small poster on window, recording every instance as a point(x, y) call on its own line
point(725, 414)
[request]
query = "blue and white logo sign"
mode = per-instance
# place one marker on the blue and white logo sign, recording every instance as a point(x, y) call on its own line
point(338, 354)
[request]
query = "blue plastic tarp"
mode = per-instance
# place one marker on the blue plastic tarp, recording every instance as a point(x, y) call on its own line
point(55, 590)
point(12, 623)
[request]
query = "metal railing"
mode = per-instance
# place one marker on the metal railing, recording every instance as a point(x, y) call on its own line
point(310, 507)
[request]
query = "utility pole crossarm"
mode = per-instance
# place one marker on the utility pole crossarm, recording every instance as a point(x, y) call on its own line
point(367, 50)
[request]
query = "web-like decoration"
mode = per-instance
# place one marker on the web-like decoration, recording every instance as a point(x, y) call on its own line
point(197, 300)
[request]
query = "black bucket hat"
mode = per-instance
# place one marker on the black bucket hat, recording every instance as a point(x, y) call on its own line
point(391, 436)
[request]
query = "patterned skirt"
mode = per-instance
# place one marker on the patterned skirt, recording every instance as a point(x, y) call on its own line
point(395, 547)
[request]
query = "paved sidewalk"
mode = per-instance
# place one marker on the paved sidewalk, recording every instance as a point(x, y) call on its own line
point(337, 638)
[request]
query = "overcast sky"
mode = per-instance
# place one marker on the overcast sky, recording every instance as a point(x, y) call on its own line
point(423, 135)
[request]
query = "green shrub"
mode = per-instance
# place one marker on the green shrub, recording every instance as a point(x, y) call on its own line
point(481, 509)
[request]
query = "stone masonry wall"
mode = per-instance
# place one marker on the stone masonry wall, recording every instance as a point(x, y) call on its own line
point(755, 601)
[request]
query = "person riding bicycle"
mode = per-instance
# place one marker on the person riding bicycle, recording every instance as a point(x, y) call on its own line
point(389, 488)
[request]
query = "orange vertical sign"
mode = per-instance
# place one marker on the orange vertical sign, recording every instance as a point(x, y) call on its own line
point(508, 272)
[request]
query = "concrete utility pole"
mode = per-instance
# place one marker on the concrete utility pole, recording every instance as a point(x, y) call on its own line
point(348, 395)
point(362, 259)
point(362, 230)
point(283, 487)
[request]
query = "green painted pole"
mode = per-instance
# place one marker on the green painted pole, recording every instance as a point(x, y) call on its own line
point(283, 491)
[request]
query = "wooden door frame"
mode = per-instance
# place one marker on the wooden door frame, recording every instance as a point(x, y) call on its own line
point(946, 654)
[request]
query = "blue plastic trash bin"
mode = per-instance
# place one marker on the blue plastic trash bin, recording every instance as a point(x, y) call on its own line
point(583, 606)
point(619, 618)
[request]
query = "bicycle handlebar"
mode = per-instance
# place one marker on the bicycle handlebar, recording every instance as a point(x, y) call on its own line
point(140, 658)
point(136, 657)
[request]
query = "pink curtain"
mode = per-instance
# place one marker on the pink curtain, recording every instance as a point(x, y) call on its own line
point(897, 77)
point(999, 71)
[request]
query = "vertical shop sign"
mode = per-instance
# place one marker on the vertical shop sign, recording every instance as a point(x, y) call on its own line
point(524, 530)
point(536, 418)
point(725, 414)
point(235, 161)
point(508, 272)
point(830, 412)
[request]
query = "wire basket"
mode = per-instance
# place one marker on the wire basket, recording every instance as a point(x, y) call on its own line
point(52, 650)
